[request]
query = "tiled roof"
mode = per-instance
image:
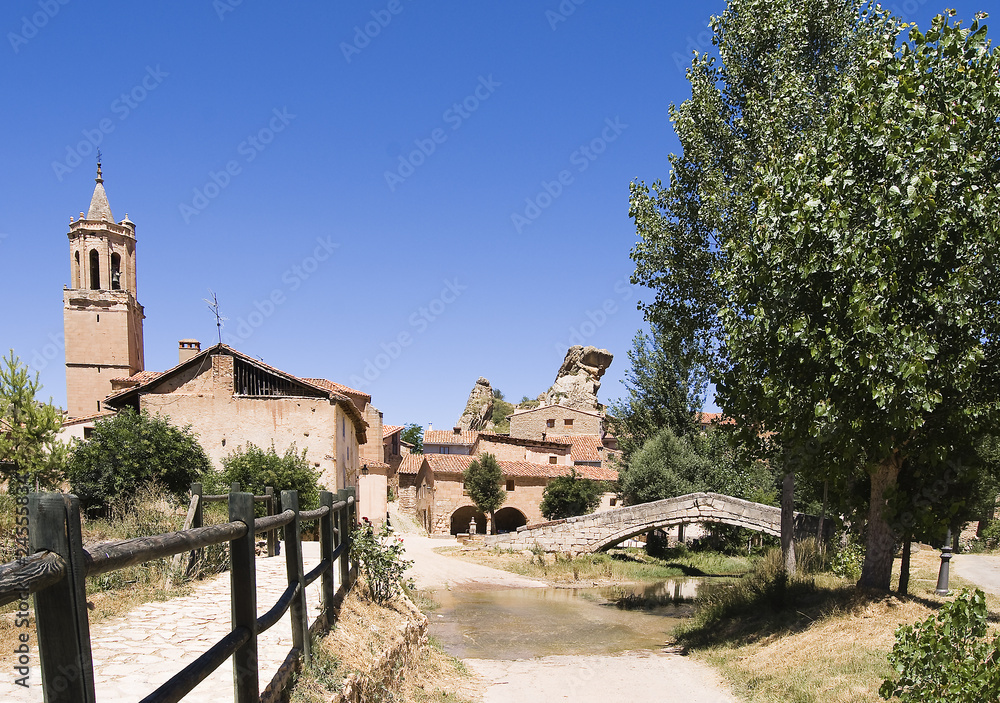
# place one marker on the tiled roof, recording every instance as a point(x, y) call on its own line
point(339, 388)
point(87, 418)
point(140, 377)
point(449, 437)
point(585, 447)
point(411, 463)
point(552, 442)
point(457, 463)
point(714, 419)
point(388, 430)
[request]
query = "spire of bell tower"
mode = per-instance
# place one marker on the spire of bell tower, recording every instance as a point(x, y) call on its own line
point(99, 207)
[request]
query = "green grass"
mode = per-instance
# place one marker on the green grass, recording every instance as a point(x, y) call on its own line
point(617, 565)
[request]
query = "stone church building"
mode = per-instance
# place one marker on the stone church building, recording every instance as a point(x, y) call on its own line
point(228, 397)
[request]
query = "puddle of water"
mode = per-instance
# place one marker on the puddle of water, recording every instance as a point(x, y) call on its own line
point(536, 622)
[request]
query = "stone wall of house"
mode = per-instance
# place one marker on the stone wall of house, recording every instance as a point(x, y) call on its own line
point(532, 424)
point(373, 449)
point(446, 496)
point(203, 398)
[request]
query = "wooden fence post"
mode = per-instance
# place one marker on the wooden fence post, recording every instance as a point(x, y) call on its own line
point(352, 520)
point(298, 614)
point(197, 555)
point(61, 618)
point(326, 553)
point(243, 585)
point(273, 533)
point(344, 526)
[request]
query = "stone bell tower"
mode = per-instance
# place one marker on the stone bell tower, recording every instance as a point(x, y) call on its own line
point(102, 319)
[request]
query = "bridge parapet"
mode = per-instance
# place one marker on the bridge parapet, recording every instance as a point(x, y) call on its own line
point(599, 531)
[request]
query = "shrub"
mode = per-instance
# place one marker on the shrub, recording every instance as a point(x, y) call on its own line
point(130, 449)
point(566, 496)
point(847, 562)
point(947, 657)
point(381, 561)
point(255, 469)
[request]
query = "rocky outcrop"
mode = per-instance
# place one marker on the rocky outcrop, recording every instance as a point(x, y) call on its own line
point(578, 380)
point(479, 409)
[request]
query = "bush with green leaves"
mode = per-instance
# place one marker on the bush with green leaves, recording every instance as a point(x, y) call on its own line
point(566, 496)
point(847, 562)
point(381, 561)
point(948, 657)
point(255, 469)
point(128, 450)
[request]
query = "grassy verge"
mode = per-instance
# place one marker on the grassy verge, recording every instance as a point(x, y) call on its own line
point(364, 630)
point(811, 639)
point(614, 566)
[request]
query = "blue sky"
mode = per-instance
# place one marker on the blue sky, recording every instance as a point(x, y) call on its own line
point(397, 195)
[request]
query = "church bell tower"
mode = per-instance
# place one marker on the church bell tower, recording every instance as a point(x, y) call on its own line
point(102, 318)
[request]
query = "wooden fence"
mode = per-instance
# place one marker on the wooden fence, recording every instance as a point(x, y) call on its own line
point(59, 565)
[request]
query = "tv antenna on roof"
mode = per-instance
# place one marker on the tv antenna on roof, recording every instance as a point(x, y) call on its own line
point(213, 305)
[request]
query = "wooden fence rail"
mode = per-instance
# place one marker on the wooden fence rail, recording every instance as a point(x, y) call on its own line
point(59, 565)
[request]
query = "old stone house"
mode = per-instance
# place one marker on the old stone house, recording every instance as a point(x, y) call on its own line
point(230, 399)
point(562, 420)
point(442, 505)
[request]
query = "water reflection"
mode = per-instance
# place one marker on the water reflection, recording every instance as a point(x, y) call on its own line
point(535, 622)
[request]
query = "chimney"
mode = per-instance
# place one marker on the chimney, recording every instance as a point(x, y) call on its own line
point(430, 426)
point(187, 348)
point(457, 430)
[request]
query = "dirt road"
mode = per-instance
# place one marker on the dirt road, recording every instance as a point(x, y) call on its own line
point(982, 570)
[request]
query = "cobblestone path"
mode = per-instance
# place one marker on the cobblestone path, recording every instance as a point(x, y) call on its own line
point(136, 652)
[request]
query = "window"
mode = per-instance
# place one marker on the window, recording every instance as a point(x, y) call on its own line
point(76, 270)
point(552, 460)
point(550, 423)
point(568, 423)
point(464, 492)
point(510, 485)
point(614, 502)
point(87, 431)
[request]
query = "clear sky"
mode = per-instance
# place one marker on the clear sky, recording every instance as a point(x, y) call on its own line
point(398, 195)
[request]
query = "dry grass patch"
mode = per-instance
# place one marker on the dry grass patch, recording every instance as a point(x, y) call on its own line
point(828, 643)
point(364, 632)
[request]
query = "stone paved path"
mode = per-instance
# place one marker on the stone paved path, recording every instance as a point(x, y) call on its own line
point(136, 652)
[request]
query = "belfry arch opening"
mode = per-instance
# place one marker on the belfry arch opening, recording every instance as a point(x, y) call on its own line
point(76, 270)
point(95, 270)
point(116, 272)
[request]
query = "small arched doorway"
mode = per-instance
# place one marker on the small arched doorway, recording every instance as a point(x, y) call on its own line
point(461, 517)
point(509, 519)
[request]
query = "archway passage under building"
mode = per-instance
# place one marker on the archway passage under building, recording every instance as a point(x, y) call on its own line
point(509, 519)
point(461, 517)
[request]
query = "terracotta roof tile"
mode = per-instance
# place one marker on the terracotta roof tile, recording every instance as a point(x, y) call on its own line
point(388, 430)
point(88, 418)
point(339, 388)
point(585, 447)
point(449, 437)
point(551, 442)
point(411, 463)
point(140, 377)
point(457, 463)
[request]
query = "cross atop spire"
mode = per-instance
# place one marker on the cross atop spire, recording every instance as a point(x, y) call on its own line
point(99, 207)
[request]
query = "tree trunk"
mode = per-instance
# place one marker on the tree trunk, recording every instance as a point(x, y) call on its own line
point(881, 541)
point(820, 534)
point(788, 522)
point(904, 567)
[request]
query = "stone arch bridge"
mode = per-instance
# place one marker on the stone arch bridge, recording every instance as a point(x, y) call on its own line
point(599, 531)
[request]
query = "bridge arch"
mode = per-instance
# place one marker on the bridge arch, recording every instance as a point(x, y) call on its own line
point(599, 531)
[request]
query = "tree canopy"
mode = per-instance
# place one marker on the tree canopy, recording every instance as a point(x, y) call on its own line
point(483, 481)
point(830, 231)
point(566, 496)
point(28, 429)
point(414, 434)
point(129, 449)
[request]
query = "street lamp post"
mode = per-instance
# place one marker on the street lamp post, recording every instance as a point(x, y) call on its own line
point(942, 584)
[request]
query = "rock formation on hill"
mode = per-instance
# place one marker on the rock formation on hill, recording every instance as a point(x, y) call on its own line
point(479, 409)
point(578, 380)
